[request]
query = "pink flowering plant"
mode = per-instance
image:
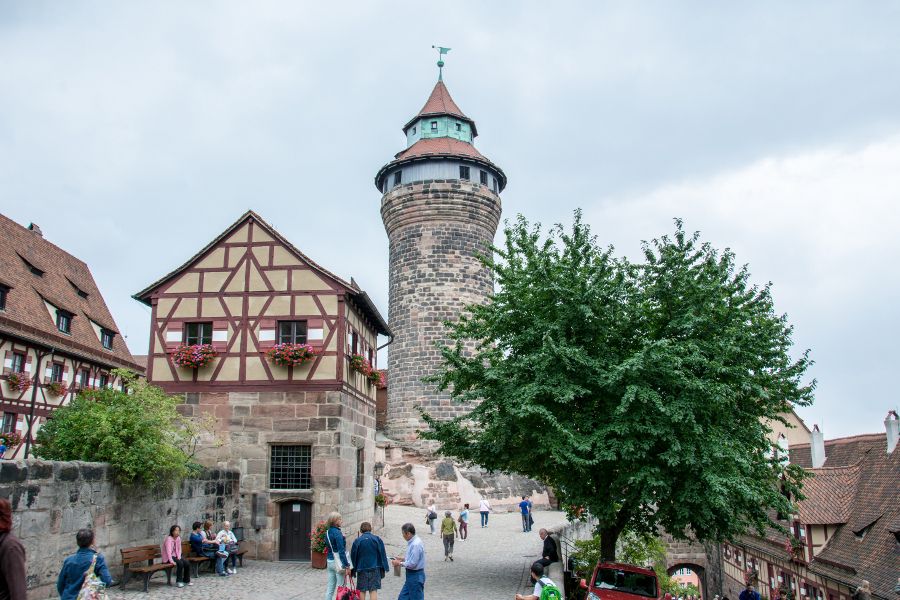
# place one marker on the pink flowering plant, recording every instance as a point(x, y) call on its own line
point(290, 355)
point(361, 365)
point(18, 381)
point(194, 357)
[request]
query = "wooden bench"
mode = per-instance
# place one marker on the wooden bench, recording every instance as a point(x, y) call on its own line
point(194, 560)
point(133, 559)
point(239, 535)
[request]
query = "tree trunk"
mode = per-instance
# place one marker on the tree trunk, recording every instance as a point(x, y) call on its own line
point(608, 538)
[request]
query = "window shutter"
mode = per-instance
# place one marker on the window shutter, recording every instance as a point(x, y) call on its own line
point(315, 333)
point(174, 336)
point(267, 333)
point(7, 363)
point(28, 362)
point(220, 336)
point(48, 372)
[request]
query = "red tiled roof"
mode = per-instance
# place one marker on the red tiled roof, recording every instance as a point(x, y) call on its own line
point(440, 103)
point(840, 452)
point(26, 313)
point(441, 146)
point(829, 495)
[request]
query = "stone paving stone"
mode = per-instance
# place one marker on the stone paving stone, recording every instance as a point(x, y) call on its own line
point(492, 564)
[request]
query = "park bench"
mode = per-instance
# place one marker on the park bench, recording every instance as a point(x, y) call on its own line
point(133, 560)
point(194, 560)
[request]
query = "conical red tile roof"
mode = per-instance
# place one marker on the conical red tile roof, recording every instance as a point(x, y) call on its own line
point(440, 103)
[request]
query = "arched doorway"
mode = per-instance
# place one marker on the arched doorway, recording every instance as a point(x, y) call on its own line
point(294, 525)
point(689, 576)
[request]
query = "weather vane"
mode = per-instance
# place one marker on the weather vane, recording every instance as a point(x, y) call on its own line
point(440, 63)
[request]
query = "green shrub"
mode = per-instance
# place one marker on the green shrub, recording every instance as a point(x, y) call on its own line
point(139, 432)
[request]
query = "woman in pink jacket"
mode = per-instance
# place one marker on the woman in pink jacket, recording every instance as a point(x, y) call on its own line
point(171, 553)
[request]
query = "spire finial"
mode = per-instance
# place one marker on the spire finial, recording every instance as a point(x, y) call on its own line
point(440, 63)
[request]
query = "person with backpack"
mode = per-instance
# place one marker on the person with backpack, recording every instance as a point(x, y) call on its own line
point(369, 562)
point(544, 588)
point(76, 567)
point(431, 516)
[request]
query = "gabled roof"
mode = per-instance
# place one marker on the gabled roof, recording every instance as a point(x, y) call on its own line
point(440, 103)
point(26, 315)
point(351, 290)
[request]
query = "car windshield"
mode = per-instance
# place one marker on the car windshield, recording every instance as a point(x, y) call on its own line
point(626, 581)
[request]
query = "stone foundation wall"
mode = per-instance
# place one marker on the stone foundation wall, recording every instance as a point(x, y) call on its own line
point(52, 500)
point(334, 424)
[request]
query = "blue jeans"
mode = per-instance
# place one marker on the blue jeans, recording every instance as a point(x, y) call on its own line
point(414, 587)
point(484, 518)
point(335, 577)
point(220, 560)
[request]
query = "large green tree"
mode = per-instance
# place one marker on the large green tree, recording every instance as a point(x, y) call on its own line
point(638, 391)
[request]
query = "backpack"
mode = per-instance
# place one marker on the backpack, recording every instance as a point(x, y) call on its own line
point(549, 591)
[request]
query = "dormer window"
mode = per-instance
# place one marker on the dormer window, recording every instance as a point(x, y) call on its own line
point(414, 131)
point(398, 177)
point(34, 270)
point(4, 290)
point(106, 338)
point(464, 172)
point(64, 321)
point(434, 125)
point(78, 290)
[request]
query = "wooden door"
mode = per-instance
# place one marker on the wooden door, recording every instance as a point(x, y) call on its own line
point(296, 525)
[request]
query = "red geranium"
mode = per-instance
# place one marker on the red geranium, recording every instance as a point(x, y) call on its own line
point(195, 356)
point(290, 355)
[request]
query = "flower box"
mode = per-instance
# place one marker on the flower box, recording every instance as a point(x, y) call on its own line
point(12, 439)
point(195, 356)
point(290, 355)
point(18, 382)
point(56, 388)
point(362, 366)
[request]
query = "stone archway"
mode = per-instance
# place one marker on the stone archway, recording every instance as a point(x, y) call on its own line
point(691, 555)
point(699, 570)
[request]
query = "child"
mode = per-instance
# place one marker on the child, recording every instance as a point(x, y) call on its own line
point(2, 447)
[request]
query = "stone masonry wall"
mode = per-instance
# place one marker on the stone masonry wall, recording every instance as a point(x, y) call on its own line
point(436, 229)
point(52, 500)
point(335, 424)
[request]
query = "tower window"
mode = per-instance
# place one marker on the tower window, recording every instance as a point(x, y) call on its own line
point(484, 179)
point(496, 187)
point(464, 172)
point(459, 126)
point(398, 177)
point(434, 125)
point(414, 131)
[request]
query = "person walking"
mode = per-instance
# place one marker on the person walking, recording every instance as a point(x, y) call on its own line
point(448, 533)
point(12, 557)
point(369, 561)
point(484, 508)
point(414, 562)
point(464, 522)
point(171, 553)
point(523, 508)
point(431, 516)
point(75, 567)
point(337, 565)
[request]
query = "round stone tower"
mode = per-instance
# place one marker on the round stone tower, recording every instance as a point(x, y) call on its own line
point(440, 207)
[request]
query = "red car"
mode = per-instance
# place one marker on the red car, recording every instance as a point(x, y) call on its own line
point(618, 581)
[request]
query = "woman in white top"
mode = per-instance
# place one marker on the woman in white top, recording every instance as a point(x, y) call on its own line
point(484, 508)
point(227, 537)
point(431, 516)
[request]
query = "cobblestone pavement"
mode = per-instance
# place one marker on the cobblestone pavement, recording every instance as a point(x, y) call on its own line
point(492, 564)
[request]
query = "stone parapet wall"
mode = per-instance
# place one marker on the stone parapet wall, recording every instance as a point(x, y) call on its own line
point(436, 230)
point(52, 500)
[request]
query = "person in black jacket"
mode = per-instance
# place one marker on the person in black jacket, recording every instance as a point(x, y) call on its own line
point(549, 554)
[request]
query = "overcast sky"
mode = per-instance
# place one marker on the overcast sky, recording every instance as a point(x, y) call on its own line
point(133, 133)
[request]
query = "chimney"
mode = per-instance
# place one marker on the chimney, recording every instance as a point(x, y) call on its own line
point(892, 426)
point(34, 227)
point(817, 447)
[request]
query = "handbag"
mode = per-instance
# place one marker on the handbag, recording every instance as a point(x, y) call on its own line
point(93, 587)
point(348, 591)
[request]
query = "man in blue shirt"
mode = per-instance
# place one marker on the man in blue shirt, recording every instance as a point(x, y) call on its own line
point(414, 561)
point(749, 593)
point(526, 513)
point(76, 566)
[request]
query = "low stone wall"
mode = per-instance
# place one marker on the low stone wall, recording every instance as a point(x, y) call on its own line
point(51, 501)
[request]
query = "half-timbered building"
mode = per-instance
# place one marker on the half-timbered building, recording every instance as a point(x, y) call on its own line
point(302, 435)
point(56, 334)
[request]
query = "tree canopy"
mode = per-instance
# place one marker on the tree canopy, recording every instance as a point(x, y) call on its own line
point(640, 391)
point(139, 432)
